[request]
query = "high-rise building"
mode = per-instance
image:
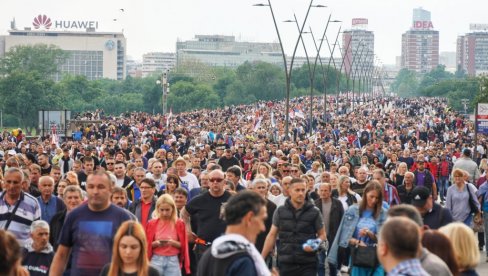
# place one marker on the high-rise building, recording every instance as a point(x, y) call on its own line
point(220, 50)
point(93, 54)
point(157, 62)
point(358, 48)
point(472, 50)
point(420, 44)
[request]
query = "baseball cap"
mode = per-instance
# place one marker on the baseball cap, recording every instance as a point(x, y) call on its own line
point(420, 196)
point(11, 152)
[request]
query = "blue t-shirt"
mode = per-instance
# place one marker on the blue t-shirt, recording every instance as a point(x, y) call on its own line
point(366, 221)
point(90, 235)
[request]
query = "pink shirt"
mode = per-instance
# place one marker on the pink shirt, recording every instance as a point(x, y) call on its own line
point(166, 230)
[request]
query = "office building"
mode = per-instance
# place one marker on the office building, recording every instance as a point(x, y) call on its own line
point(472, 50)
point(358, 49)
point(225, 51)
point(93, 54)
point(420, 44)
point(157, 62)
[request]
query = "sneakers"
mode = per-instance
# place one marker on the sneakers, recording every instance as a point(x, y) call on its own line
point(344, 269)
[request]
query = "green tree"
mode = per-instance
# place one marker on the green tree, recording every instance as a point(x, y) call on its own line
point(406, 83)
point(40, 58)
point(26, 82)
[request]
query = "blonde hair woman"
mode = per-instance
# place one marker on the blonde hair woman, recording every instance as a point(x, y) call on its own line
point(399, 174)
point(465, 247)
point(129, 252)
point(166, 238)
point(344, 193)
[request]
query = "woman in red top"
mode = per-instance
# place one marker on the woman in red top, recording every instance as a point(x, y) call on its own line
point(166, 236)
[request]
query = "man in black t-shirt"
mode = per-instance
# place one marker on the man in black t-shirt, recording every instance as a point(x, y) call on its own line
point(206, 209)
point(361, 181)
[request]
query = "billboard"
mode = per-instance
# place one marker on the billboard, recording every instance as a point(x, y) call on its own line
point(482, 118)
point(359, 21)
point(478, 27)
point(423, 25)
point(51, 121)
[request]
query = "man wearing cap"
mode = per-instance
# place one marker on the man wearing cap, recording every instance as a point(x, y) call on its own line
point(466, 163)
point(188, 180)
point(433, 214)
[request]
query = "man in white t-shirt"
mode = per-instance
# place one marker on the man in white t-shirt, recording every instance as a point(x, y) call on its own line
point(188, 180)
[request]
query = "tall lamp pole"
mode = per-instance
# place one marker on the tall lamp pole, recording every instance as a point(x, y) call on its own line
point(317, 57)
point(163, 81)
point(311, 70)
point(354, 70)
point(288, 72)
point(331, 58)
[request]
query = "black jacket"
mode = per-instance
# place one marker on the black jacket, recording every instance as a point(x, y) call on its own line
point(336, 213)
point(55, 226)
point(295, 228)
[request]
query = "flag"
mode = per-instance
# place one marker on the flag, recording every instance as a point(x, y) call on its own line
point(273, 123)
point(54, 136)
point(291, 114)
point(257, 123)
point(169, 117)
point(299, 113)
point(257, 120)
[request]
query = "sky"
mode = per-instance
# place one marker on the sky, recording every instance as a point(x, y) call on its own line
point(156, 25)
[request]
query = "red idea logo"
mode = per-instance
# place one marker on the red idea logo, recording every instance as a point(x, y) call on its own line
point(42, 20)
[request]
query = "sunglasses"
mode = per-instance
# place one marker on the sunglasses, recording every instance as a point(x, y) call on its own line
point(216, 179)
point(286, 170)
point(110, 163)
point(294, 170)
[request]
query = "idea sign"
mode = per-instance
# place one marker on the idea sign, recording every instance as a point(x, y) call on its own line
point(424, 25)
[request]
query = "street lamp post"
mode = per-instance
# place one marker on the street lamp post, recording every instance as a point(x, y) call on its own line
point(317, 57)
point(311, 72)
point(354, 70)
point(331, 58)
point(344, 55)
point(288, 72)
point(163, 81)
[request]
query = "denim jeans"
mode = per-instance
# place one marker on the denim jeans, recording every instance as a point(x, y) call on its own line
point(166, 265)
point(442, 185)
point(485, 222)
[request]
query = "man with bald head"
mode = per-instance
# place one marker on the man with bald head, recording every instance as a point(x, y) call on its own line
point(205, 209)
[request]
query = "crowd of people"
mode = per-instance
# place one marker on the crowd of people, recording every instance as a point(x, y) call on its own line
point(379, 185)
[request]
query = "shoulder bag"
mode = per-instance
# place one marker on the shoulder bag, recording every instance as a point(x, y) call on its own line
point(364, 256)
point(472, 206)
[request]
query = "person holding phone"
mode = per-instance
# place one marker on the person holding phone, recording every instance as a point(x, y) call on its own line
point(167, 240)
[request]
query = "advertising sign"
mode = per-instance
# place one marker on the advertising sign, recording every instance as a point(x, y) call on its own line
point(54, 122)
point(359, 21)
point(423, 25)
point(482, 118)
point(44, 21)
point(478, 27)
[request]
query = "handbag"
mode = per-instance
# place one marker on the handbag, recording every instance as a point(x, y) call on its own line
point(364, 256)
point(472, 206)
point(478, 223)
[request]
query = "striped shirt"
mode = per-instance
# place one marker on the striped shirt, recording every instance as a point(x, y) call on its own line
point(27, 212)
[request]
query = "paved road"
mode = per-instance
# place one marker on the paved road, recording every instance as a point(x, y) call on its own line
point(483, 265)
